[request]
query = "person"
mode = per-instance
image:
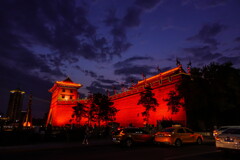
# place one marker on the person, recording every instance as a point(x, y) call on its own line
point(86, 135)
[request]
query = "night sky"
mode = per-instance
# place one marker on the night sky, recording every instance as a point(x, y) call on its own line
point(106, 43)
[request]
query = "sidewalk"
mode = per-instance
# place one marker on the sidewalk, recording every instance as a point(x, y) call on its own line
point(54, 145)
point(61, 145)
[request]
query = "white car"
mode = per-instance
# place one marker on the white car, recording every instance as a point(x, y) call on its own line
point(229, 139)
point(221, 129)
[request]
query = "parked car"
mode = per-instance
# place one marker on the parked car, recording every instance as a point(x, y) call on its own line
point(229, 139)
point(129, 136)
point(176, 136)
point(221, 129)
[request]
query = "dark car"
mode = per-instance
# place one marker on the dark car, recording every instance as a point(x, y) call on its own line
point(129, 136)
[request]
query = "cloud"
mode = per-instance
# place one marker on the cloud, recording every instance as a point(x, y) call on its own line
point(235, 60)
point(87, 72)
point(132, 18)
point(147, 5)
point(97, 87)
point(24, 59)
point(137, 70)
point(207, 50)
point(236, 48)
point(204, 4)
point(203, 53)
point(131, 79)
point(106, 80)
point(131, 60)
point(237, 39)
point(130, 66)
point(207, 34)
point(61, 27)
point(119, 25)
point(12, 79)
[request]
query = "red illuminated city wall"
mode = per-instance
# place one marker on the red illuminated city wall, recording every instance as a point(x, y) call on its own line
point(61, 110)
point(130, 112)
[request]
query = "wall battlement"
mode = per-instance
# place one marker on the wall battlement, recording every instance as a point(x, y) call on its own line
point(65, 96)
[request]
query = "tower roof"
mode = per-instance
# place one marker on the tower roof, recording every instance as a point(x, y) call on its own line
point(65, 83)
point(18, 90)
point(68, 80)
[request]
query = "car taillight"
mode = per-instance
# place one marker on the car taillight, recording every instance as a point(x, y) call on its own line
point(217, 138)
point(122, 134)
point(214, 133)
point(167, 135)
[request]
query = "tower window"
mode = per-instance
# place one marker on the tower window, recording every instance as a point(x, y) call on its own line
point(63, 96)
point(71, 91)
point(63, 90)
point(71, 97)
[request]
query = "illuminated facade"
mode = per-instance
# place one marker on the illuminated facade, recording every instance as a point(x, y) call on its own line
point(15, 105)
point(162, 84)
point(65, 96)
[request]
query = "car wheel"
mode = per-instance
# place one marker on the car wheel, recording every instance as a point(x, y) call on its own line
point(129, 142)
point(178, 143)
point(199, 141)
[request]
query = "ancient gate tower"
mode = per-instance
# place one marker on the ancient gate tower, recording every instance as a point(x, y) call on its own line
point(64, 97)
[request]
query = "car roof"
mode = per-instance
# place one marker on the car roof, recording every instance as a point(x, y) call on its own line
point(229, 127)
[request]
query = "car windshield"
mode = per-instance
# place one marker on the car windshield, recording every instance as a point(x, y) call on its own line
point(223, 128)
point(169, 130)
point(116, 132)
point(232, 131)
point(134, 130)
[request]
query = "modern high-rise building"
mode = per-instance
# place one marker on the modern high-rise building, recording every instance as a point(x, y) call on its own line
point(15, 105)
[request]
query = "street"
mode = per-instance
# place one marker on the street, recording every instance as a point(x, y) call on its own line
point(105, 150)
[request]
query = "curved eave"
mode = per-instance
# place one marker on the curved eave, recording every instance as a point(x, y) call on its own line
point(65, 84)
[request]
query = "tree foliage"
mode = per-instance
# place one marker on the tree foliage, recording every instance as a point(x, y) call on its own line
point(174, 102)
point(211, 96)
point(102, 109)
point(148, 101)
point(79, 111)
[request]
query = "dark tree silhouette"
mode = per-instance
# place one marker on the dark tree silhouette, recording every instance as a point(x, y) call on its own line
point(174, 102)
point(211, 96)
point(93, 110)
point(148, 101)
point(102, 108)
point(79, 111)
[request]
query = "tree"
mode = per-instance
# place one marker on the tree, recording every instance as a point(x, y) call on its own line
point(174, 102)
point(148, 101)
point(103, 108)
point(210, 94)
point(79, 111)
point(93, 110)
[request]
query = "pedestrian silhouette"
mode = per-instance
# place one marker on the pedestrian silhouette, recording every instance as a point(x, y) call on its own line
point(86, 135)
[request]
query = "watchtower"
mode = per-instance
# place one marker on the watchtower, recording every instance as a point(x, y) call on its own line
point(64, 97)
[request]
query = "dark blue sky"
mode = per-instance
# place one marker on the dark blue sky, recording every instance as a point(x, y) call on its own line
point(101, 43)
